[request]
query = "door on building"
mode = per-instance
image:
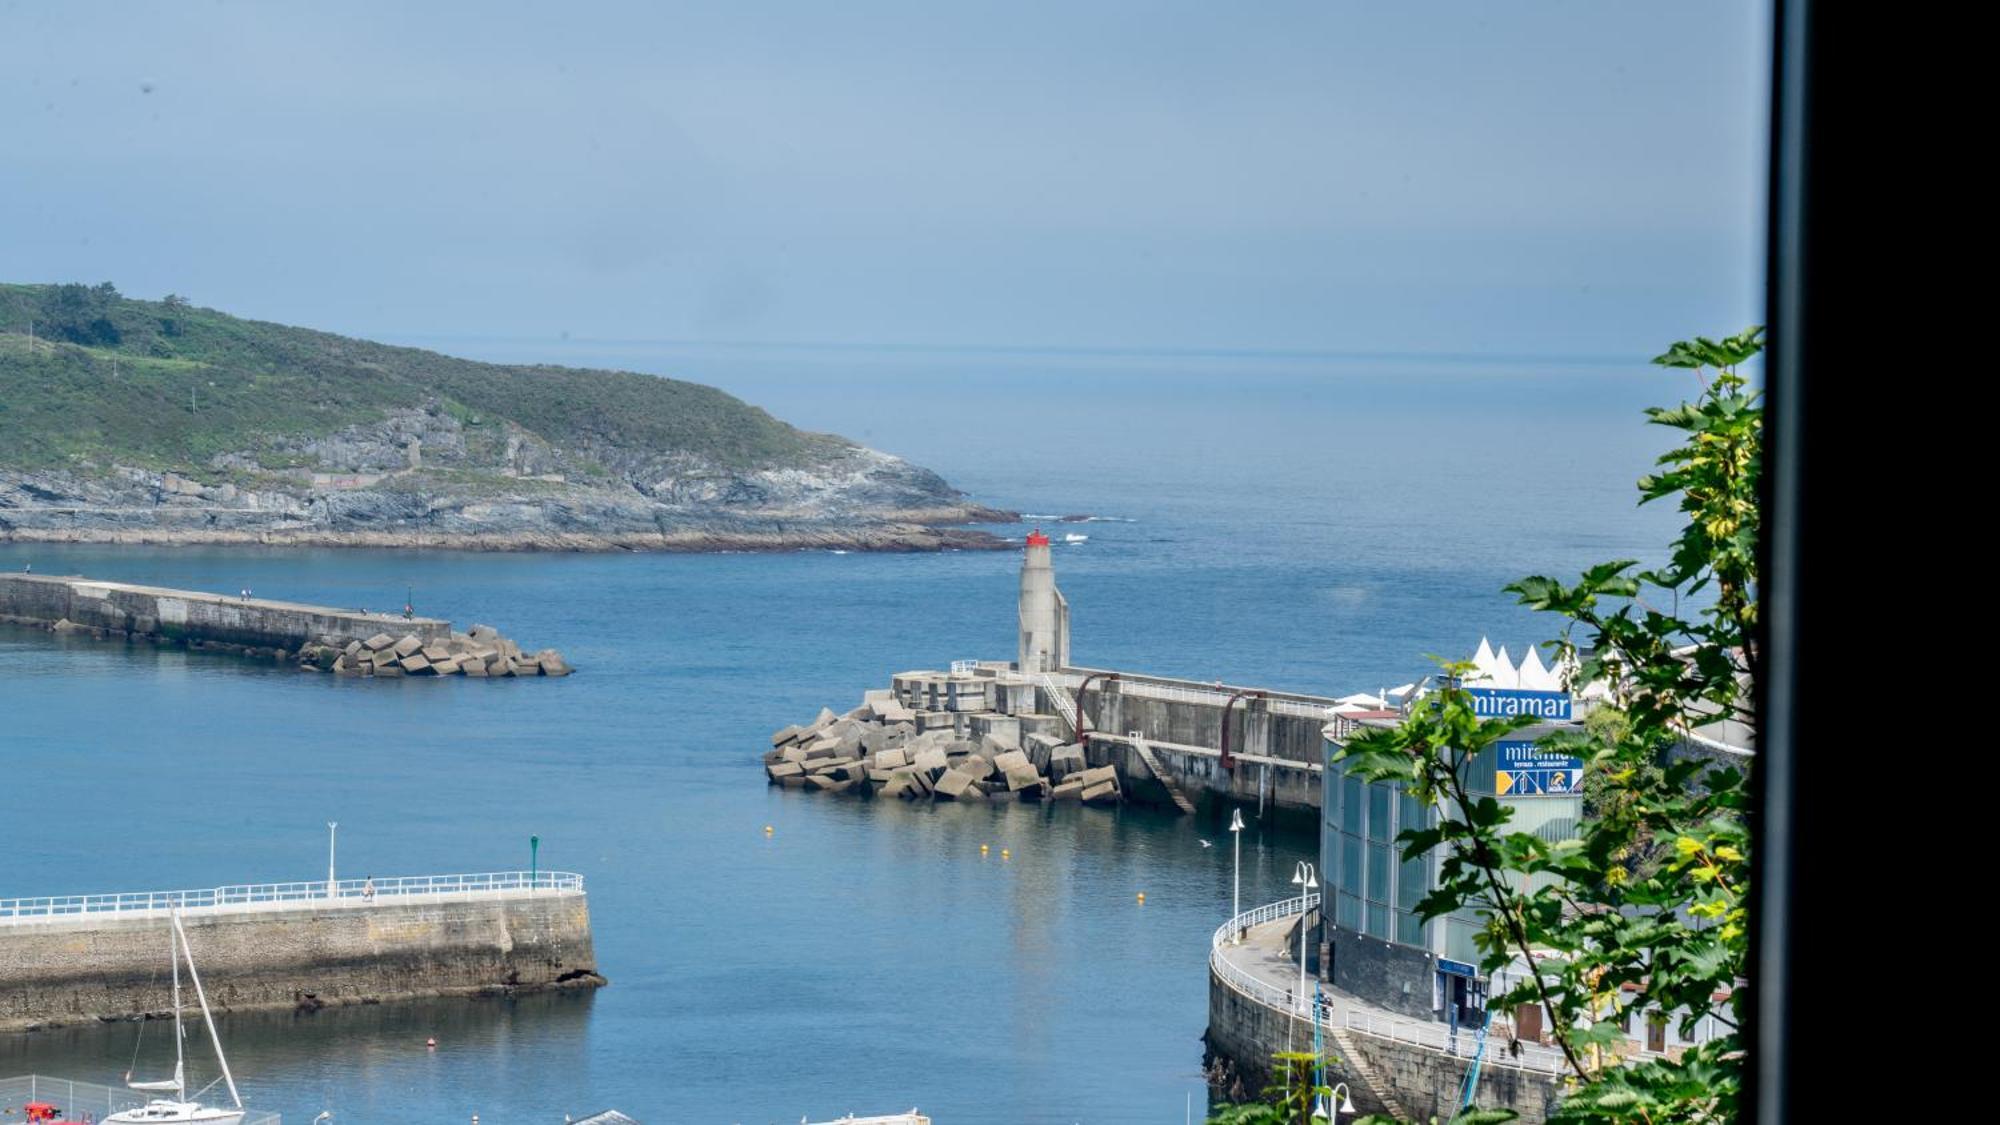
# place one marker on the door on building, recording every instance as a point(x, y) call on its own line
point(1656, 1034)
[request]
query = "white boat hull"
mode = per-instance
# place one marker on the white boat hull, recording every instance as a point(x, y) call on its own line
point(170, 1113)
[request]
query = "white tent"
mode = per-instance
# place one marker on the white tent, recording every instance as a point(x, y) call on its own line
point(1535, 676)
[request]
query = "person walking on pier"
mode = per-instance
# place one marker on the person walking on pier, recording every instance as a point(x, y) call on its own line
point(368, 889)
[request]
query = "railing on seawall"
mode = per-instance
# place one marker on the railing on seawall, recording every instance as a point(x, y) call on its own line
point(307, 895)
point(1347, 1014)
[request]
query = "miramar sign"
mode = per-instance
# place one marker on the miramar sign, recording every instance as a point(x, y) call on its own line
point(1527, 770)
point(1506, 703)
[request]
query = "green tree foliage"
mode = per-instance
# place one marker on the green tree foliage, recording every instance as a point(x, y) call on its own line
point(1288, 1100)
point(1644, 912)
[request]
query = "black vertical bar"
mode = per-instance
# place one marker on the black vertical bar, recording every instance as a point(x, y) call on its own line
point(1808, 571)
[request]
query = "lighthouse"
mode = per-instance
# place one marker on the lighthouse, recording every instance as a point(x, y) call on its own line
point(1044, 613)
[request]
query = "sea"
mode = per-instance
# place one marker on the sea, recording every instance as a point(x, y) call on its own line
point(1309, 522)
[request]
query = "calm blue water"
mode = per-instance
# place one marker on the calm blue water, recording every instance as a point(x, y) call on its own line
point(1309, 524)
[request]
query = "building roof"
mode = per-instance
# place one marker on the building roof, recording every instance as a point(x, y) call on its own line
point(608, 1117)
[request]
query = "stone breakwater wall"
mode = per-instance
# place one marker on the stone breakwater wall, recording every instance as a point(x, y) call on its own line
point(352, 642)
point(81, 970)
point(883, 748)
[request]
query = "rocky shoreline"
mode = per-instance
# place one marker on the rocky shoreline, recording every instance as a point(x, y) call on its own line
point(886, 538)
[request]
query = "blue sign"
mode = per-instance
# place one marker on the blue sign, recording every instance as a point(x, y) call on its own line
point(1505, 703)
point(1456, 968)
point(1528, 770)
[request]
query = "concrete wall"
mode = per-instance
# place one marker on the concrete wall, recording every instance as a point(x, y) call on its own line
point(1254, 730)
point(188, 615)
point(1383, 1076)
point(73, 971)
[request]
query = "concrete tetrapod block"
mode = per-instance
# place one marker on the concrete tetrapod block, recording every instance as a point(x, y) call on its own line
point(892, 758)
point(414, 663)
point(388, 670)
point(825, 719)
point(378, 642)
point(435, 653)
point(1071, 790)
point(930, 761)
point(793, 753)
point(1102, 775)
point(1023, 777)
point(782, 770)
point(1101, 794)
point(483, 633)
point(1066, 761)
point(446, 667)
point(779, 738)
point(1011, 761)
point(474, 668)
point(978, 767)
point(407, 646)
point(825, 783)
point(824, 748)
point(952, 786)
point(552, 663)
point(893, 712)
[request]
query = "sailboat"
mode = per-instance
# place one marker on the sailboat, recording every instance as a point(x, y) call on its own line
point(179, 1107)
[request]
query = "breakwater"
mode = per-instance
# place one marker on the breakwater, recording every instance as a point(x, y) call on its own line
point(295, 945)
point(353, 642)
point(983, 730)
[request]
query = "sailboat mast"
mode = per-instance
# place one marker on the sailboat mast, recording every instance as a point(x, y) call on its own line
point(174, 958)
point(207, 1016)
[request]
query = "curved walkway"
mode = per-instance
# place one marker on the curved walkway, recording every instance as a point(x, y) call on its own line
point(1262, 969)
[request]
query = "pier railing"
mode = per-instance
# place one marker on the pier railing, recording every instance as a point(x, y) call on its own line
point(78, 1099)
point(1347, 1014)
point(311, 894)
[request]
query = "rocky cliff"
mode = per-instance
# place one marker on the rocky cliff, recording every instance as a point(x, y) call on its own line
point(157, 422)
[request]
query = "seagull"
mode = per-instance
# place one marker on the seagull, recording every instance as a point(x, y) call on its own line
point(1206, 844)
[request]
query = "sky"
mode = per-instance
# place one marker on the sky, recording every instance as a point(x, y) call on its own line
point(1533, 178)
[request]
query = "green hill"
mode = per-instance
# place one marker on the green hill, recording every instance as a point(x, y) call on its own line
point(164, 384)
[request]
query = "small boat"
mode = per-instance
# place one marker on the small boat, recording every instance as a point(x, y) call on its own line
point(1073, 537)
point(910, 1118)
point(180, 1107)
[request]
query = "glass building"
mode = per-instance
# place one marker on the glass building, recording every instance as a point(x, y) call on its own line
point(1373, 944)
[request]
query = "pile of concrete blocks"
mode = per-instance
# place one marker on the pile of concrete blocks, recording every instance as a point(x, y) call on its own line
point(879, 749)
point(481, 653)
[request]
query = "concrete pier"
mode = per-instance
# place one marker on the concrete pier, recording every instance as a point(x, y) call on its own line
point(292, 945)
point(352, 642)
point(191, 615)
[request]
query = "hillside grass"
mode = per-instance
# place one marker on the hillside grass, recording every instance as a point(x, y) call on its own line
point(149, 383)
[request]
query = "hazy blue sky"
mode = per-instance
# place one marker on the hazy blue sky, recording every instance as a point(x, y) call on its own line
point(1576, 178)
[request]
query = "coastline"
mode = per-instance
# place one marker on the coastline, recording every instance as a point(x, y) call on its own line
point(902, 538)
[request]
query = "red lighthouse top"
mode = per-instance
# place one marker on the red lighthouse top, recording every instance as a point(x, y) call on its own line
point(1037, 539)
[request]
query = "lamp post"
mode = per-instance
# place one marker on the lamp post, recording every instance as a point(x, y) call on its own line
point(534, 861)
point(1345, 1105)
point(1236, 882)
point(331, 827)
point(1306, 879)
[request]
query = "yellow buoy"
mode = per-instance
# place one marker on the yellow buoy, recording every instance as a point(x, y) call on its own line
point(767, 830)
point(1003, 853)
point(982, 849)
point(1142, 898)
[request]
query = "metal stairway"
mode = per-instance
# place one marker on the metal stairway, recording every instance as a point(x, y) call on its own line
point(1059, 695)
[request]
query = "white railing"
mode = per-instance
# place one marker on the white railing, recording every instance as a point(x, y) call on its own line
point(1349, 1014)
point(1058, 695)
point(1216, 697)
point(964, 667)
point(75, 1099)
point(293, 896)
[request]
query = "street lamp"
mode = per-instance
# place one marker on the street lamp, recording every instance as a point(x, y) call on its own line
point(331, 827)
point(1346, 1104)
point(1306, 879)
point(1236, 895)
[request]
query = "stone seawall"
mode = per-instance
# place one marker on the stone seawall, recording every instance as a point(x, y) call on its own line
point(1383, 1075)
point(79, 970)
